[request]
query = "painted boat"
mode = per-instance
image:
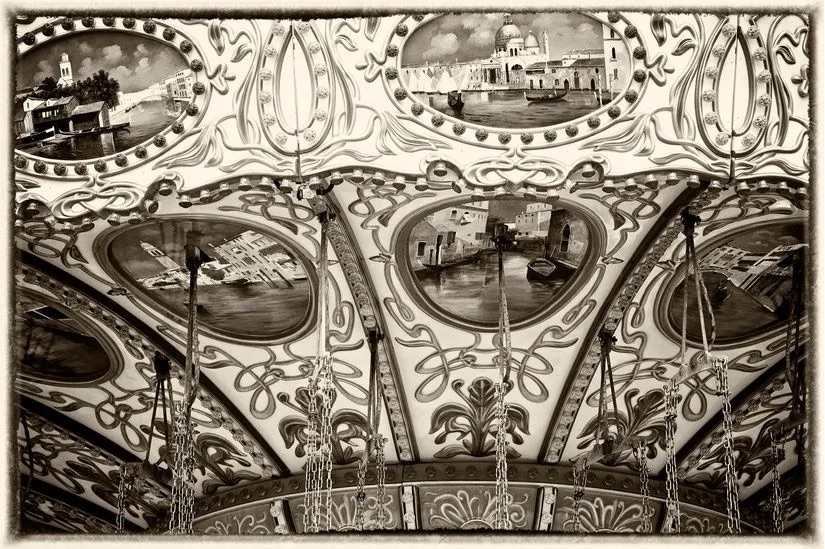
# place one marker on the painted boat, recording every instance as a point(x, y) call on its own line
point(451, 263)
point(93, 131)
point(455, 101)
point(544, 96)
point(34, 138)
point(540, 269)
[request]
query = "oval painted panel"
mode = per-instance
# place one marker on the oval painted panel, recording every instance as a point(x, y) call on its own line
point(522, 70)
point(748, 279)
point(251, 287)
point(54, 346)
point(93, 94)
point(454, 267)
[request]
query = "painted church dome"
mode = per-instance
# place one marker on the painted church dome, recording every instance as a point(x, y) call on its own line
point(506, 32)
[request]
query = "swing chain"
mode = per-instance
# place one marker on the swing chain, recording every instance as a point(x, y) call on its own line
point(777, 456)
point(183, 480)
point(360, 495)
point(644, 475)
point(502, 517)
point(672, 522)
point(127, 480)
point(579, 484)
point(318, 490)
point(381, 473)
point(720, 365)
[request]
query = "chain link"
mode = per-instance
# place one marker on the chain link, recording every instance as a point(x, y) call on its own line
point(183, 475)
point(644, 489)
point(672, 524)
point(579, 484)
point(319, 450)
point(720, 367)
point(778, 503)
point(502, 516)
point(381, 474)
point(124, 489)
point(360, 494)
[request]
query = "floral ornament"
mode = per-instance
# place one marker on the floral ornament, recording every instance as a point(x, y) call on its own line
point(269, 120)
point(753, 31)
point(418, 17)
point(760, 121)
point(266, 74)
point(504, 138)
point(303, 26)
point(401, 30)
point(400, 93)
point(631, 96)
point(597, 516)
point(764, 100)
point(20, 162)
point(159, 141)
point(708, 95)
point(614, 17)
point(67, 24)
point(764, 76)
point(712, 72)
point(481, 135)
point(459, 128)
point(314, 47)
point(527, 138)
point(278, 30)
point(281, 138)
point(349, 428)
point(185, 46)
point(108, 21)
point(593, 122)
point(639, 52)
point(140, 152)
point(177, 127)
point(391, 72)
point(320, 69)
point(100, 165)
point(437, 120)
point(169, 34)
point(80, 168)
point(474, 508)
point(29, 39)
point(711, 118)
point(722, 139)
point(149, 27)
point(639, 75)
point(309, 135)
point(265, 97)
point(571, 130)
point(191, 109)
point(199, 88)
point(760, 54)
point(473, 420)
point(121, 160)
point(320, 115)
point(270, 51)
point(749, 140)
point(60, 169)
point(417, 109)
point(614, 111)
point(729, 29)
point(88, 22)
point(719, 51)
point(196, 65)
point(40, 166)
point(801, 80)
point(322, 93)
point(392, 50)
point(129, 22)
point(631, 31)
point(48, 29)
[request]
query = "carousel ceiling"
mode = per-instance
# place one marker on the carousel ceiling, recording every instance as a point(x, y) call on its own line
point(585, 135)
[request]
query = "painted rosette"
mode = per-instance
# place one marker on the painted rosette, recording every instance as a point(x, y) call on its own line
point(56, 152)
point(295, 65)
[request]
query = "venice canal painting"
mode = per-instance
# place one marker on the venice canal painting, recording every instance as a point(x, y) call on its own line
point(97, 93)
point(518, 70)
point(455, 262)
point(748, 279)
point(251, 287)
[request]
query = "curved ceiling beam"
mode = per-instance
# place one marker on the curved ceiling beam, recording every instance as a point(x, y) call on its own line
point(157, 341)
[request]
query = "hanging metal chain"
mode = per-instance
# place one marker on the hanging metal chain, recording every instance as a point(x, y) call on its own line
point(360, 494)
point(183, 475)
point(720, 366)
point(644, 489)
point(672, 522)
point(778, 503)
point(124, 489)
point(502, 501)
point(579, 485)
point(381, 474)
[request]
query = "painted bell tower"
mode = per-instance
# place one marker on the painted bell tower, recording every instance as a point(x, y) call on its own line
point(162, 258)
point(66, 78)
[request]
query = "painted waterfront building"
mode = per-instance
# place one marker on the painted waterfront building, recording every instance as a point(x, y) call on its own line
point(518, 62)
point(258, 258)
point(449, 234)
point(534, 222)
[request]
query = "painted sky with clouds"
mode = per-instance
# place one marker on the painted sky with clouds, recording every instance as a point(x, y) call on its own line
point(136, 62)
point(471, 36)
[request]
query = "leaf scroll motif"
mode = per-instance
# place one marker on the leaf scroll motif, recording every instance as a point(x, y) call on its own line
point(472, 421)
